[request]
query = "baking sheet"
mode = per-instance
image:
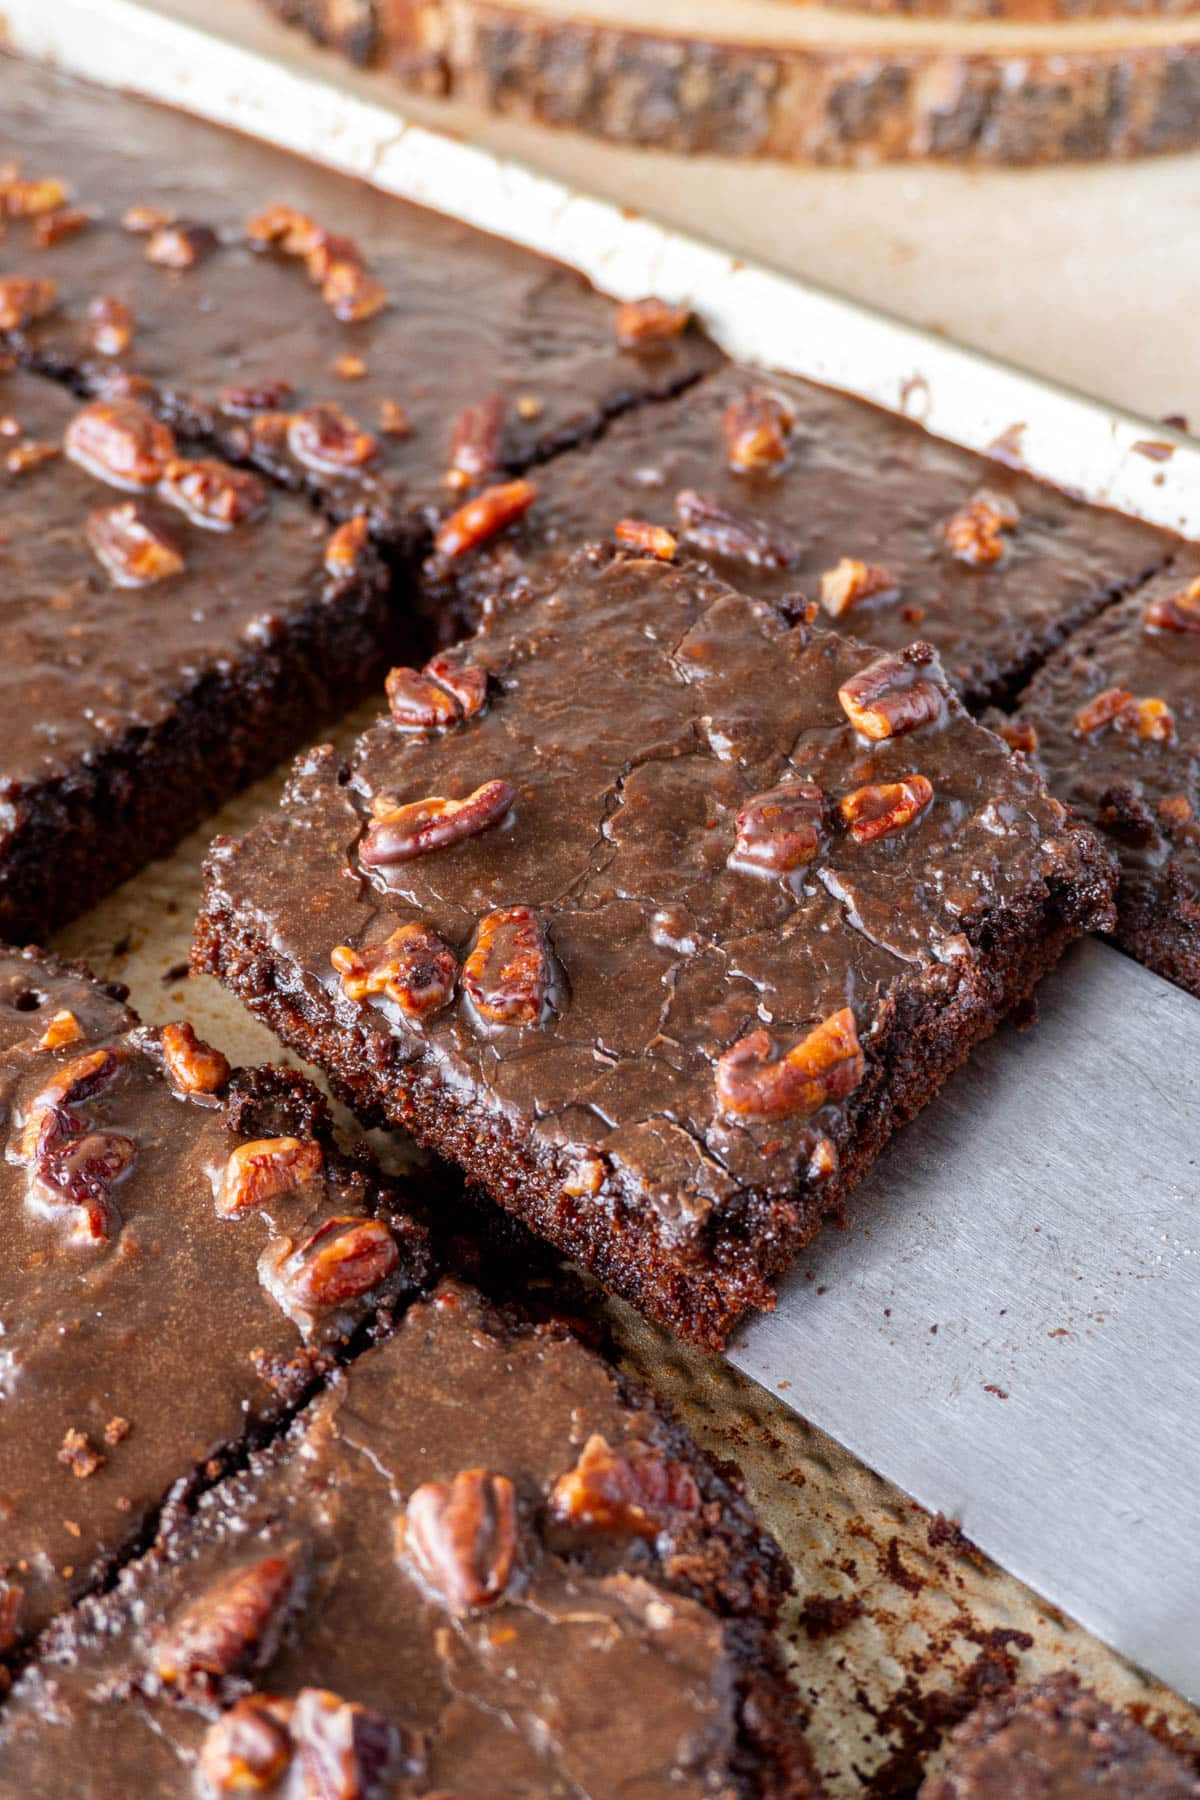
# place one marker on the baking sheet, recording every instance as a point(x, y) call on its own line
point(1129, 1414)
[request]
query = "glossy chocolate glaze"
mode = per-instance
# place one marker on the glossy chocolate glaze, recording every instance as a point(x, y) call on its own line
point(582, 1673)
point(856, 483)
point(1057, 1739)
point(155, 1341)
point(1142, 794)
point(468, 317)
point(635, 706)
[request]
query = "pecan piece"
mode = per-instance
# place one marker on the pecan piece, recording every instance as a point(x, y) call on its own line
point(180, 245)
point(461, 1537)
point(63, 222)
point(1101, 710)
point(349, 368)
point(892, 696)
point(413, 967)
point(780, 830)
point(634, 1489)
point(351, 294)
point(193, 1066)
point(506, 977)
point(852, 582)
point(345, 1750)
point(265, 1170)
point(33, 199)
point(650, 321)
point(121, 442)
point(24, 298)
point(63, 1029)
point(79, 1455)
point(1175, 809)
point(758, 1080)
point(75, 1172)
point(141, 220)
point(720, 531)
point(256, 397)
point(393, 420)
point(651, 540)
point(133, 547)
point(1175, 612)
point(327, 439)
point(284, 228)
point(231, 1628)
point(1149, 719)
point(72, 1084)
point(437, 697)
point(490, 512)
point(881, 807)
point(248, 1749)
point(1018, 734)
point(343, 1260)
point(975, 533)
point(212, 494)
point(29, 455)
point(346, 545)
point(109, 325)
point(756, 427)
point(475, 442)
point(398, 833)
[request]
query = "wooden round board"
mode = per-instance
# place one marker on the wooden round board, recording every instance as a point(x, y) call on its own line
point(831, 83)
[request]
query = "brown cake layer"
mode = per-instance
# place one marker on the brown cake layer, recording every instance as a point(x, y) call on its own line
point(476, 1564)
point(718, 942)
point(1113, 722)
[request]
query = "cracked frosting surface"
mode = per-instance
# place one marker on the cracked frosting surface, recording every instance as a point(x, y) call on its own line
point(525, 1693)
point(636, 707)
point(137, 1339)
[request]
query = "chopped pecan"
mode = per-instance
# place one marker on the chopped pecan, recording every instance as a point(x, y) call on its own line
point(343, 1260)
point(893, 695)
point(437, 697)
point(346, 545)
point(255, 397)
point(1149, 719)
point(398, 833)
point(351, 294)
point(180, 245)
point(63, 1029)
point(756, 427)
point(265, 1170)
point(506, 977)
point(413, 967)
point(346, 1750)
point(116, 1431)
point(1175, 809)
point(109, 325)
point(231, 1628)
point(393, 420)
point(248, 1749)
point(79, 1455)
point(328, 250)
point(650, 321)
point(29, 455)
point(349, 368)
point(325, 438)
point(651, 540)
point(285, 228)
point(33, 199)
point(1101, 710)
point(212, 494)
point(779, 831)
point(852, 582)
point(193, 1066)
point(75, 1172)
point(52, 227)
point(756, 1079)
point(24, 298)
point(975, 533)
point(1175, 612)
point(633, 1488)
point(72, 1084)
point(1018, 734)
point(461, 1537)
point(141, 220)
point(480, 519)
point(721, 531)
point(476, 441)
point(121, 442)
point(881, 807)
point(133, 547)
